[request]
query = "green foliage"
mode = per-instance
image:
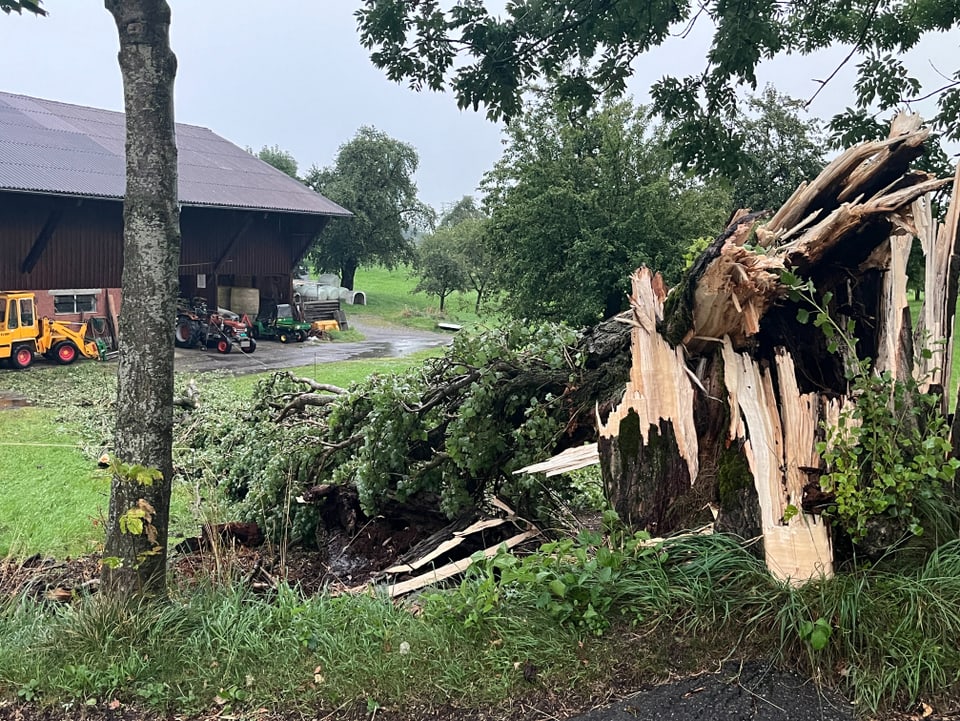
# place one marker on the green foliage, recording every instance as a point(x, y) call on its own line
point(576, 581)
point(886, 452)
point(578, 202)
point(280, 159)
point(135, 473)
point(816, 633)
point(586, 50)
point(890, 449)
point(455, 427)
point(780, 150)
point(372, 177)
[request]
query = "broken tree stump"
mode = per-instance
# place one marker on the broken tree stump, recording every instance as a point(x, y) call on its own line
point(731, 387)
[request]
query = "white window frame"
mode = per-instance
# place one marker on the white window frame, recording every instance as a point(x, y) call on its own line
point(62, 295)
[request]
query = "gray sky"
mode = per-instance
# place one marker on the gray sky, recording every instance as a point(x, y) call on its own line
point(294, 74)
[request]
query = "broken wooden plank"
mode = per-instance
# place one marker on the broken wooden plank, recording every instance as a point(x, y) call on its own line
point(571, 459)
point(447, 571)
point(447, 546)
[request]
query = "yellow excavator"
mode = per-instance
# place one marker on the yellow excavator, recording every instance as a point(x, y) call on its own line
point(23, 335)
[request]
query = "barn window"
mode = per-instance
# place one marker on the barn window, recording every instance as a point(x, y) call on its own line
point(74, 303)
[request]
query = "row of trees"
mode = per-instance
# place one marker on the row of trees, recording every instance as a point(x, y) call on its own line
point(576, 199)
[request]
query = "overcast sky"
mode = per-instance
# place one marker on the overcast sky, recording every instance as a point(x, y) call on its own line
point(294, 74)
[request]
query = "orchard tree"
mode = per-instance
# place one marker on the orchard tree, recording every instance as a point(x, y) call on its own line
point(136, 546)
point(373, 178)
point(472, 239)
point(466, 208)
point(586, 48)
point(780, 150)
point(578, 200)
point(469, 236)
point(278, 158)
point(439, 265)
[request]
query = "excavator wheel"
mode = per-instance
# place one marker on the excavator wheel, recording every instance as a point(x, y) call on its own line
point(224, 346)
point(21, 357)
point(65, 352)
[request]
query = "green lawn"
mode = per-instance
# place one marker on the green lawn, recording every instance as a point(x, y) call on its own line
point(53, 495)
point(389, 297)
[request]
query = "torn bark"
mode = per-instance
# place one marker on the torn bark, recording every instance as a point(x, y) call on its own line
point(729, 390)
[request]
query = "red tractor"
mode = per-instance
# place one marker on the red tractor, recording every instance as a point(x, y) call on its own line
point(196, 325)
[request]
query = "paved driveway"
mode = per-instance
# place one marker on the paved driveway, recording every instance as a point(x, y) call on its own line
point(381, 342)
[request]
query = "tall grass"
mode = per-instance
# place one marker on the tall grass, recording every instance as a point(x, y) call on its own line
point(891, 640)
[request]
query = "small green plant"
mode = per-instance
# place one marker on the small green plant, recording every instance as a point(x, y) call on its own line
point(30, 690)
point(887, 451)
point(574, 580)
point(816, 633)
point(889, 448)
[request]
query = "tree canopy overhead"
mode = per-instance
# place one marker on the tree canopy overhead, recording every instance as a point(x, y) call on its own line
point(18, 6)
point(585, 49)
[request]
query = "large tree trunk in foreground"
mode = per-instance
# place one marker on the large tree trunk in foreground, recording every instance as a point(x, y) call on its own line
point(136, 546)
point(729, 390)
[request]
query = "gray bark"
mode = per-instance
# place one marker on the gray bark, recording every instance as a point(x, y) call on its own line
point(135, 563)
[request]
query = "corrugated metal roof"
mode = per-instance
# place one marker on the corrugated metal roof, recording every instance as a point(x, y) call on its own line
point(52, 147)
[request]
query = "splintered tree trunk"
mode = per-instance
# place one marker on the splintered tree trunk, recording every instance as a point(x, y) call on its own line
point(732, 382)
point(136, 545)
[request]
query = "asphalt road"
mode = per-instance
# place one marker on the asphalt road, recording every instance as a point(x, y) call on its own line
point(751, 691)
point(381, 342)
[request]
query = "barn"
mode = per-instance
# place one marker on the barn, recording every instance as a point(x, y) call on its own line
point(245, 225)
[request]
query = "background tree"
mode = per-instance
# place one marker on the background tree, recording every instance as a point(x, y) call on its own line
point(279, 159)
point(136, 545)
point(471, 242)
point(439, 265)
point(780, 150)
point(466, 208)
point(577, 201)
point(585, 48)
point(373, 178)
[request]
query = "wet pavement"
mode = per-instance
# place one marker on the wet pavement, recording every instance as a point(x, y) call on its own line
point(751, 691)
point(381, 342)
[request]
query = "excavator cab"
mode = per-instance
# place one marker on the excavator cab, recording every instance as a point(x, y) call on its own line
point(18, 328)
point(22, 334)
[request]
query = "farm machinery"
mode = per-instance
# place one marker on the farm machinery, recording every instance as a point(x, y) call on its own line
point(23, 334)
point(277, 321)
point(198, 326)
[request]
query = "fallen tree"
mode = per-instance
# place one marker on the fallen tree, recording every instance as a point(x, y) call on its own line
point(713, 399)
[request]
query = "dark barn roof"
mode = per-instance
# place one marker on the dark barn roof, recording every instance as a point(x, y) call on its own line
point(56, 148)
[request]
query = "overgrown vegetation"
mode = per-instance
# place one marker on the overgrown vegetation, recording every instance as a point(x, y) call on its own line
point(440, 436)
point(557, 616)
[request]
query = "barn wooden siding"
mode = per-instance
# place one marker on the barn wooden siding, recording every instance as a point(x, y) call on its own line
point(73, 243)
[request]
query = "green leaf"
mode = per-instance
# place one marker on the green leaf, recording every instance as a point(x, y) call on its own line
point(803, 316)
